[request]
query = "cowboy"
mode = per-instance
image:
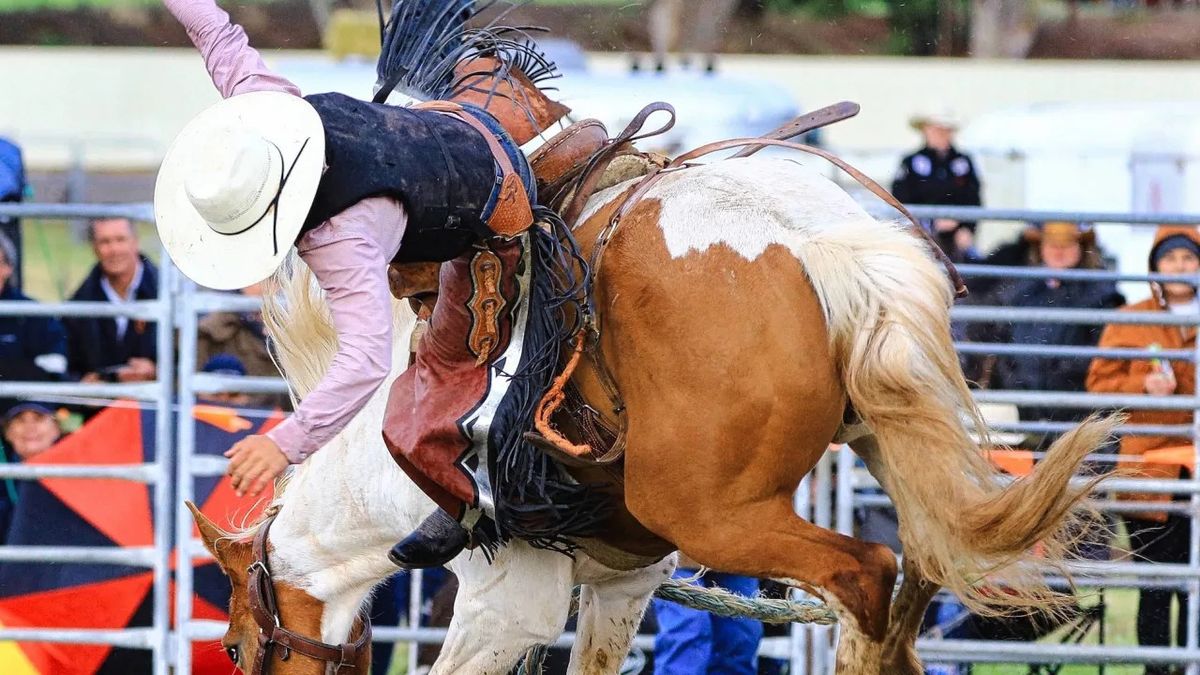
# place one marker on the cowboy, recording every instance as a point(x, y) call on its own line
point(353, 186)
point(939, 174)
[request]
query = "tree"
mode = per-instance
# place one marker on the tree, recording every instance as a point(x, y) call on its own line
point(1002, 28)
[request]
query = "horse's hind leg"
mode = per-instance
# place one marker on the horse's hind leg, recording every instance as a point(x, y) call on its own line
point(915, 594)
point(731, 521)
point(611, 605)
point(908, 611)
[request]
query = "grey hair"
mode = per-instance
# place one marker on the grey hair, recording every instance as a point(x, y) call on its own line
point(8, 249)
point(91, 227)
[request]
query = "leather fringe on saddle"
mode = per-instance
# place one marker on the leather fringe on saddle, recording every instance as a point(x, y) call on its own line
point(535, 499)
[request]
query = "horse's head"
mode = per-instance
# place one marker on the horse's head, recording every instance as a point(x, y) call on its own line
point(299, 614)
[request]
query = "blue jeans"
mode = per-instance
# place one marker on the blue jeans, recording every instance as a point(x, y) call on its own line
point(691, 642)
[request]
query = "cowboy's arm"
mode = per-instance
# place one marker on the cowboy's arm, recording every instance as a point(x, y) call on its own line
point(235, 66)
point(349, 256)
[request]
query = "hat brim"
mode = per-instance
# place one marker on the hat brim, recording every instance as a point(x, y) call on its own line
point(226, 262)
point(922, 121)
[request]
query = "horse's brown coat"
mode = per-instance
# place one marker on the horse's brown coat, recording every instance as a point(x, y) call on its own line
point(725, 420)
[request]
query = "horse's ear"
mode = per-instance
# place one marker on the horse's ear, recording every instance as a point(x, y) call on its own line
point(210, 534)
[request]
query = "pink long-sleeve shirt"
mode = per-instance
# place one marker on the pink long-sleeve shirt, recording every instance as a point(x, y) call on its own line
point(348, 253)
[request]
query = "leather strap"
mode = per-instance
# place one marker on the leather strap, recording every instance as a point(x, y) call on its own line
point(271, 634)
point(803, 124)
point(591, 175)
point(513, 213)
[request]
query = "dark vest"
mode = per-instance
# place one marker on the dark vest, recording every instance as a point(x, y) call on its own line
point(438, 167)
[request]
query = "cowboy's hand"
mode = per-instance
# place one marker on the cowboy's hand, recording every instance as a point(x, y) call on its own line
point(254, 462)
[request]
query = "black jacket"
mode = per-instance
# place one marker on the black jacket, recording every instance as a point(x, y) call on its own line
point(1037, 373)
point(24, 338)
point(438, 166)
point(92, 343)
point(928, 177)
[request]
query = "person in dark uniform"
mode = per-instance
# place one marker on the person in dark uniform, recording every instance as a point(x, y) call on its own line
point(939, 174)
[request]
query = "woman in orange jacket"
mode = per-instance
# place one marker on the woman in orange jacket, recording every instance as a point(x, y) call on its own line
point(1155, 535)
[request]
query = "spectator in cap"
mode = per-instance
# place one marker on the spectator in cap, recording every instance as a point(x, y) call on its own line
point(28, 430)
point(1057, 246)
point(225, 364)
point(1156, 536)
point(939, 174)
point(31, 347)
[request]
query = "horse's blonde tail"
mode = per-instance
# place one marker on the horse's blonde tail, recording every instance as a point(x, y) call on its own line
point(887, 309)
point(303, 339)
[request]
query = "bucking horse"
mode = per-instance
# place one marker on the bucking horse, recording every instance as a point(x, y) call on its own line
point(747, 313)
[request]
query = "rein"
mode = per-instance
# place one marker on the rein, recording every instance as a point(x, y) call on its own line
point(272, 634)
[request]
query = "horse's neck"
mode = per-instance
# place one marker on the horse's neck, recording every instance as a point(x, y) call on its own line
point(341, 512)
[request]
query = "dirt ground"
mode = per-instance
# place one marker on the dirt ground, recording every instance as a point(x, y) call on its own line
point(289, 24)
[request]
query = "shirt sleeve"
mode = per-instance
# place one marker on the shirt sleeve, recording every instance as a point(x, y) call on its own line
point(235, 66)
point(349, 257)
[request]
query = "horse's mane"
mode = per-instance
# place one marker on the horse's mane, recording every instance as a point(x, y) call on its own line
point(303, 341)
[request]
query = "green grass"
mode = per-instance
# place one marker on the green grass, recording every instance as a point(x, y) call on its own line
point(56, 261)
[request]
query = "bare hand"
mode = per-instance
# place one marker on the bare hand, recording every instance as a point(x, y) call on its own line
point(254, 462)
point(1160, 384)
point(944, 224)
point(963, 239)
point(138, 369)
point(91, 378)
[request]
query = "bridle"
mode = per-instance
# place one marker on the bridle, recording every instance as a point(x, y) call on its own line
point(272, 634)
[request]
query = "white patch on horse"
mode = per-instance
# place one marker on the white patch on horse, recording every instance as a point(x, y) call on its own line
point(748, 205)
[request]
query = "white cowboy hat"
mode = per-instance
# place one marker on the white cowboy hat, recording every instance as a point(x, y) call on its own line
point(236, 185)
point(940, 117)
point(998, 413)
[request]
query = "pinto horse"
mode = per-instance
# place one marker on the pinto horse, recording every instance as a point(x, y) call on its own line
point(751, 313)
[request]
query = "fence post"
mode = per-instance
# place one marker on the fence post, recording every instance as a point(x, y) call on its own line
point(164, 455)
point(184, 581)
point(1193, 605)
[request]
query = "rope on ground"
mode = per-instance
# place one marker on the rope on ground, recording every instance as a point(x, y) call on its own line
point(721, 602)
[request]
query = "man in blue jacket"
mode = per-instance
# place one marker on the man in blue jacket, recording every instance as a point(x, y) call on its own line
point(117, 349)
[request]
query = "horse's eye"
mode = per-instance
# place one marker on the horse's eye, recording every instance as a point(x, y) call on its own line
point(233, 653)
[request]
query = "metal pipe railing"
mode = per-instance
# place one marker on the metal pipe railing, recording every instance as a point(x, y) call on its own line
point(1093, 317)
point(146, 310)
point(145, 556)
point(186, 450)
point(1016, 272)
point(142, 391)
point(1025, 350)
point(164, 458)
point(1071, 399)
point(128, 638)
point(141, 473)
point(977, 213)
point(143, 211)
